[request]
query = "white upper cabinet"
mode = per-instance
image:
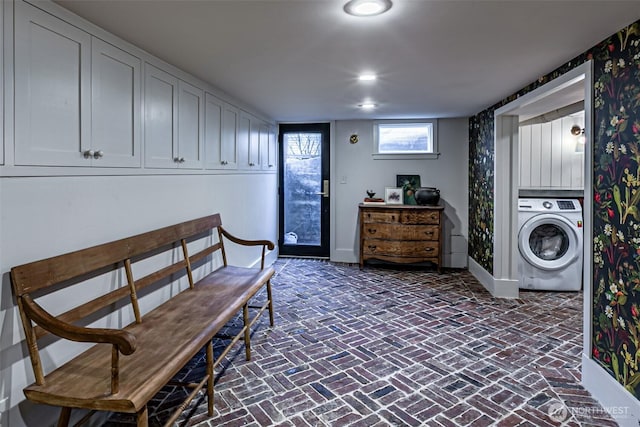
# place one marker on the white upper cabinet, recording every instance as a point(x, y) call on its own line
point(249, 142)
point(190, 126)
point(2, 5)
point(160, 106)
point(52, 90)
point(269, 147)
point(229, 136)
point(77, 98)
point(81, 99)
point(173, 121)
point(115, 114)
point(220, 134)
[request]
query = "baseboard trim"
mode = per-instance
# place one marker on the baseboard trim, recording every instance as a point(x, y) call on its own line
point(613, 397)
point(499, 288)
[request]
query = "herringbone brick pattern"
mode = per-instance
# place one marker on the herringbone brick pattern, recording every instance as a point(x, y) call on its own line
point(401, 347)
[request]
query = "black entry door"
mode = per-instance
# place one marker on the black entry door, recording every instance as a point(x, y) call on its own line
point(304, 190)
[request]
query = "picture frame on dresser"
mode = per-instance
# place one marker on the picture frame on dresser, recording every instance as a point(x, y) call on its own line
point(393, 196)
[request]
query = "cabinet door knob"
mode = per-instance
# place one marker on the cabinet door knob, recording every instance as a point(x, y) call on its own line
point(372, 230)
point(98, 154)
point(270, 166)
point(372, 247)
point(224, 162)
point(178, 159)
point(88, 154)
point(252, 164)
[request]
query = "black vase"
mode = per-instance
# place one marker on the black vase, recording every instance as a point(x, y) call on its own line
point(429, 196)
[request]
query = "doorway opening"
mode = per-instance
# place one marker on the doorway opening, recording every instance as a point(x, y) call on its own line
point(562, 91)
point(304, 190)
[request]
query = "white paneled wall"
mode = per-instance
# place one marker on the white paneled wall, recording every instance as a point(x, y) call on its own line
point(550, 156)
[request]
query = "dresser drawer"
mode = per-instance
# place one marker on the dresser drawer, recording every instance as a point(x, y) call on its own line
point(402, 217)
point(432, 217)
point(387, 217)
point(400, 232)
point(413, 249)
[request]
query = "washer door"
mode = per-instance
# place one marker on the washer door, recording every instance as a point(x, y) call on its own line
point(548, 242)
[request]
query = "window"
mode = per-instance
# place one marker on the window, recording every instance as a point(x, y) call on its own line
point(410, 139)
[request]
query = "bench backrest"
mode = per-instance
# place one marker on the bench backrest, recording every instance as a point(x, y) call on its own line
point(45, 276)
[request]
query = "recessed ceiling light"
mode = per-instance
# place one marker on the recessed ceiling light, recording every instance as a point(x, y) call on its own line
point(367, 106)
point(367, 77)
point(367, 7)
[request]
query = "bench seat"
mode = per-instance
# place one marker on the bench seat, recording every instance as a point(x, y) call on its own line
point(176, 326)
point(127, 367)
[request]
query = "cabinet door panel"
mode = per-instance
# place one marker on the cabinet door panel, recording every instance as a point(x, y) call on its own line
point(212, 132)
point(269, 150)
point(244, 140)
point(230, 120)
point(190, 116)
point(115, 111)
point(160, 142)
point(52, 90)
point(254, 144)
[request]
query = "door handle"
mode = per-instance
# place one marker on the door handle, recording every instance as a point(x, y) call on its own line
point(325, 189)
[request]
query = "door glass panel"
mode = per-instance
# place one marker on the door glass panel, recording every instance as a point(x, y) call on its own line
point(302, 188)
point(549, 242)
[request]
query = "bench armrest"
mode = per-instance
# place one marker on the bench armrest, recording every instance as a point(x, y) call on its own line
point(269, 244)
point(123, 340)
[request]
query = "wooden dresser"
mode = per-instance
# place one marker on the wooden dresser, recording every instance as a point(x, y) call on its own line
point(401, 233)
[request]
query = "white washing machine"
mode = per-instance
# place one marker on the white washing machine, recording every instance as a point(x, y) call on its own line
point(550, 240)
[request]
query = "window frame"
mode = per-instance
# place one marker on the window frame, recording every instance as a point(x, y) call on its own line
point(433, 154)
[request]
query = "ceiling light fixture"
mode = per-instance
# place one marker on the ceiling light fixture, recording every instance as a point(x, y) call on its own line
point(367, 106)
point(367, 77)
point(367, 7)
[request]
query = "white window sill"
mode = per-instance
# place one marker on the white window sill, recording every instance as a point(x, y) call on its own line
point(405, 156)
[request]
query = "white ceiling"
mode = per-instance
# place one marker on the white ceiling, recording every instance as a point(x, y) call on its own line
point(297, 60)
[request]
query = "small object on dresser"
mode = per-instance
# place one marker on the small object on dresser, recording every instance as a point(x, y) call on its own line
point(427, 196)
point(372, 200)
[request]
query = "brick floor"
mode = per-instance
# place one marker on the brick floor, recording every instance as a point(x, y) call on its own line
point(397, 347)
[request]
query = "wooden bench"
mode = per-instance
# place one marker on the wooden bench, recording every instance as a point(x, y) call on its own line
point(128, 366)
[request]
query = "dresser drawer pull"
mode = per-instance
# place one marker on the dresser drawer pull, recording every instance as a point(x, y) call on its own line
point(428, 249)
point(428, 233)
point(372, 231)
point(372, 247)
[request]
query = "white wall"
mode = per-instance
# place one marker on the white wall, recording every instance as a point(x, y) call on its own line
point(550, 156)
point(356, 172)
point(41, 217)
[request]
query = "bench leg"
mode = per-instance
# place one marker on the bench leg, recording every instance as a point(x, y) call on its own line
point(210, 372)
point(142, 419)
point(65, 415)
point(247, 331)
point(270, 302)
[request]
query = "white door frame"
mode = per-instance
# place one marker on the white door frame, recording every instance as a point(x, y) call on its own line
point(506, 173)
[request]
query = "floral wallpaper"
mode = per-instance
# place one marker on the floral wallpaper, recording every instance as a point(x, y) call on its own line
point(616, 196)
point(616, 199)
point(481, 160)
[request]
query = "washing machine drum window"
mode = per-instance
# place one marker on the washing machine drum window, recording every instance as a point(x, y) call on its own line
point(548, 242)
